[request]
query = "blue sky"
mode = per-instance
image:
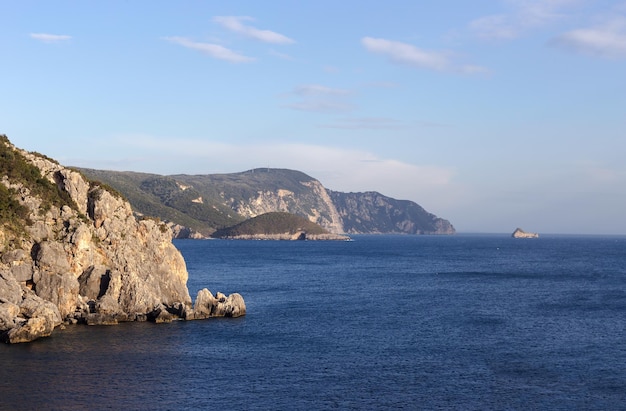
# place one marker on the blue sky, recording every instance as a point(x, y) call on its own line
point(492, 114)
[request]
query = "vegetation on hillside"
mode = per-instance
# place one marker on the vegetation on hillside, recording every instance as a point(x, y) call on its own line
point(271, 223)
point(13, 215)
point(19, 170)
point(201, 202)
point(156, 195)
point(206, 203)
point(15, 167)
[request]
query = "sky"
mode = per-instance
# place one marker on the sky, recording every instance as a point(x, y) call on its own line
point(492, 114)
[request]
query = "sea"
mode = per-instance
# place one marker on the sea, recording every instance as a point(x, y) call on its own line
point(382, 322)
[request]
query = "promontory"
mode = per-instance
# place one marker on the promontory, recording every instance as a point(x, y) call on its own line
point(72, 251)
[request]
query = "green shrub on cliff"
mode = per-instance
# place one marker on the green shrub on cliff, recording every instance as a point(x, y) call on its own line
point(19, 170)
point(13, 215)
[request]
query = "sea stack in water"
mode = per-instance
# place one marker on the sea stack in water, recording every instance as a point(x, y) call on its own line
point(71, 251)
point(519, 233)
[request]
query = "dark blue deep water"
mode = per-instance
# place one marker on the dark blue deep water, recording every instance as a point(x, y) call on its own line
point(470, 322)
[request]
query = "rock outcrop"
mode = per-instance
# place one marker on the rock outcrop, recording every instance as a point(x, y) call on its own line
point(80, 255)
point(219, 306)
point(519, 233)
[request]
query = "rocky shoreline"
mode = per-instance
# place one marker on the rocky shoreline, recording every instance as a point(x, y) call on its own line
point(86, 258)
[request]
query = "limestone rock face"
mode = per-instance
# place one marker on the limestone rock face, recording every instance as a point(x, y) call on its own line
point(24, 316)
point(315, 203)
point(219, 305)
point(372, 212)
point(88, 260)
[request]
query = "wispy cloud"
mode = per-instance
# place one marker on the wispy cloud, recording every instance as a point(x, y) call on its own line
point(320, 99)
point(236, 24)
point(365, 123)
point(495, 27)
point(321, 106)
point(342, 169)
point(523, 16)
point(605, 40)
point(410, 55)
point(404, 53)
point(283, 56)
point(50, 38)
point(381, 84)
point(214, 50)
point(317, 90)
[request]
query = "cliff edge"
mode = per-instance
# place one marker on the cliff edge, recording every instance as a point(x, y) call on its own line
point(71, 251)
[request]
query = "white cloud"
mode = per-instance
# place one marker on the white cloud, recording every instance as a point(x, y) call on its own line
point(235, 24)
point(381, 84)
point(607, 40)
point(320, 99)
point(403, 53)
point(534, 13)
point(280, 55)
point(320, 106)
point(213, 50)
point(317, 89)
point(50, 38)
point(406, 53)
point(525, 15)
point(365, 123)
point(494, 27)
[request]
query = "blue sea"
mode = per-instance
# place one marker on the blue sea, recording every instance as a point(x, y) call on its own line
point(464, 322)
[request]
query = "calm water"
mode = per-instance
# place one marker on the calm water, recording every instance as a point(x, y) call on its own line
point(382, 322)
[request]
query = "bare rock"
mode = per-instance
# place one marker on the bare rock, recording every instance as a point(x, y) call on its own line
point(30, 319)
point(10, 289)
point(519, 233)
point(8, 313)
point(207, 305)
point(75, 185)
point(51, 257)
point(94, 281)
point(61, 289)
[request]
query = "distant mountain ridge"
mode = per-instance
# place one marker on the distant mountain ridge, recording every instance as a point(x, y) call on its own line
point(202, 204)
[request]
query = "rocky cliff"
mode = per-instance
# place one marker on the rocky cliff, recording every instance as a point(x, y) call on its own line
point(372, 212)
point(71, 251)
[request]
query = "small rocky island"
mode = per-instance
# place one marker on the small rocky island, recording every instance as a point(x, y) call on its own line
point(519, 233)
point(72, 251)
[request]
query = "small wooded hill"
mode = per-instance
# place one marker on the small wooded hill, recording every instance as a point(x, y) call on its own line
point(269, 224)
